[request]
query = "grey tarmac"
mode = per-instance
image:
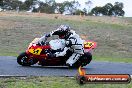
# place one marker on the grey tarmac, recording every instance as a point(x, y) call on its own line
point(9, 67)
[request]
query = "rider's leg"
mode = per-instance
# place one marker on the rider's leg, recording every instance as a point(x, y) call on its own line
point(73, 58)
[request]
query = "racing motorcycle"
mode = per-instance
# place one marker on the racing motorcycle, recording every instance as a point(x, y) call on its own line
point(41, 54)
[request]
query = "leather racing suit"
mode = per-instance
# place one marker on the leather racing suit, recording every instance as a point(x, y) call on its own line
point(73, 43)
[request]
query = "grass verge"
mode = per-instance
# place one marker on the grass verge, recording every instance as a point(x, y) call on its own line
point(112, 59)
point(113, 37)
point(52, 82)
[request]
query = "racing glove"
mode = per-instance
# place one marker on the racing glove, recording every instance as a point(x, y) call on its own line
point(38, 44)
point(47, 35)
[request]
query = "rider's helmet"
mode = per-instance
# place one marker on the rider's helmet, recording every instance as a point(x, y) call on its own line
point(63, 31)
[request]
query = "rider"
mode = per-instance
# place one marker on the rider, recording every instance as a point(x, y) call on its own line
point(73, 43)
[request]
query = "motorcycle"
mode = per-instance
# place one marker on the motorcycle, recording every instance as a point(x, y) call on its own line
point(41, 53)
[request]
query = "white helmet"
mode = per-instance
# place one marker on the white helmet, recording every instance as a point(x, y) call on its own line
point(62, 31)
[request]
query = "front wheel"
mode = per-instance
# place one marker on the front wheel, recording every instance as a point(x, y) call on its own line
point(23, 60)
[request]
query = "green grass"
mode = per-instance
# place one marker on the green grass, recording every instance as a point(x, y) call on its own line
point(112, 59)
point(113, 38)
point(52, 82)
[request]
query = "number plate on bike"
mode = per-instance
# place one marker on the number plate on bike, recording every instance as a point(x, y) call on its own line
point(35, 51)
point(88, 44)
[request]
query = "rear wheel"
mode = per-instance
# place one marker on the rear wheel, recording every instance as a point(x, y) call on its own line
point(23, 60)
point(84, 60)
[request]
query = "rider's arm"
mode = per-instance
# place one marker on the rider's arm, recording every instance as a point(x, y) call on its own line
point(54, 32)
point(42, 40)
point(62, 53)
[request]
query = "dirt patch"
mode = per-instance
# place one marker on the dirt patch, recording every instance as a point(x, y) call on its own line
point(6, 24)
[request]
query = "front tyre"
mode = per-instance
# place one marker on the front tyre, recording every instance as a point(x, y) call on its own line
point(23, 59)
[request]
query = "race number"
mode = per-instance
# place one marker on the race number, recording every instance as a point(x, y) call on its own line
point(35, 51)
point(88, 44)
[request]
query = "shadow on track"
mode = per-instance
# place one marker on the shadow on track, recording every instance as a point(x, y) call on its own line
point(56, 67)
point(49, 67)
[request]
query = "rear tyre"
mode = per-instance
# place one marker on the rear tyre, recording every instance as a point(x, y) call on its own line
point(84, 60)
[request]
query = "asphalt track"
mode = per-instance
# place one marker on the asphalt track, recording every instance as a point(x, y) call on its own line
point(9, 67)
